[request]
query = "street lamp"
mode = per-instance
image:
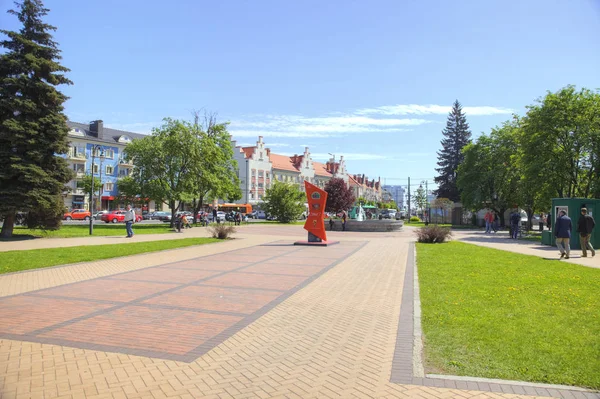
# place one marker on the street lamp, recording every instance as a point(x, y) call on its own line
point(96, 148)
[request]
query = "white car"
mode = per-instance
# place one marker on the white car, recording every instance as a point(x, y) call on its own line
point(220, 216)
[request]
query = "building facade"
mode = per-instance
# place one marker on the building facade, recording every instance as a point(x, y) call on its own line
point(108, 148)
point(397, 194)
point(258, 168)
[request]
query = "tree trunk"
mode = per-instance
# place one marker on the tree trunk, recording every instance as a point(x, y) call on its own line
point(8, 225)
point(529, 218)
point(501, 215)
point(173, 212)
point(197, 206)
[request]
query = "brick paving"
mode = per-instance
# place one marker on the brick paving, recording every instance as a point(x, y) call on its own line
point(333, 334)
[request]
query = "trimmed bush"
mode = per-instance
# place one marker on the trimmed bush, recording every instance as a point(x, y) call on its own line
point(433, 234)
point(221, 231)
point(415, 219)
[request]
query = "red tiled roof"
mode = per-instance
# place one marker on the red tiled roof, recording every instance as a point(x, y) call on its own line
point(321, 169)
point(248, 151)
point(282, 162)
point(353, 181)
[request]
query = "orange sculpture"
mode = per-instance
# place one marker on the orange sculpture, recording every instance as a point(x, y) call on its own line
point(315, 221)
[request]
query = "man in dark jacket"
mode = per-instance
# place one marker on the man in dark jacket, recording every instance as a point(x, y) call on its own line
point(562, 232)
point(515, 220)
point(585, 226)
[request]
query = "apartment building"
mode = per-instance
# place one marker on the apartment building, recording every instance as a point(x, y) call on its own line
point(109, 162)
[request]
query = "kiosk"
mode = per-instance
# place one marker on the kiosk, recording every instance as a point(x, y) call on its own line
point(572, 206)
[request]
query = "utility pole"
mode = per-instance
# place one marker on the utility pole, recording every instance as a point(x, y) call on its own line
point(409, 214)
point(427, 202)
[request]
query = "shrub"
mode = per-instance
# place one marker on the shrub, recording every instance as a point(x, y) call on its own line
point(415, 219)
point(221, 231)
point(433, 234)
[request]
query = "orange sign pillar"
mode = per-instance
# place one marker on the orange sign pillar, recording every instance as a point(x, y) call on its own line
point(315, 222)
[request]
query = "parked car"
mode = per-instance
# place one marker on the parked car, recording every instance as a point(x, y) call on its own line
point(220, 216)
point(162, 216)
point(118, 216)
point(261, 215)
point(252, 215)
point(77, 214)
point(148, 215)
point(98, 215)
point(388, 214)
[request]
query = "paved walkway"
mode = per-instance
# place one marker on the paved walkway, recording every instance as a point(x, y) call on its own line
point(251, 317)
point(501, 240)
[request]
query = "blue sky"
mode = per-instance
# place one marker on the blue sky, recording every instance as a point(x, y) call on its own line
point(369, 80)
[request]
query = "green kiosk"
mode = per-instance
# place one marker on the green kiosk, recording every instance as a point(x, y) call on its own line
point(572, 207)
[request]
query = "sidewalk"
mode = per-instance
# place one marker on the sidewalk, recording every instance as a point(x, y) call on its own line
point(501, 240)
point(334, 337)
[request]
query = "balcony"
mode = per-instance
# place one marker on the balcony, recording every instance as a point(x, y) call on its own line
point(77, 191)
point(76, 157)
point(124, 162)
point(79, 174)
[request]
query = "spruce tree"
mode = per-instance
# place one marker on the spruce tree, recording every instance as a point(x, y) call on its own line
point(33, 128)
point(456, 136)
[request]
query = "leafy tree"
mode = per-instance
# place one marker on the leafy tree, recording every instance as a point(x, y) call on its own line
point(215, 173)
point(164, 163)
point(420, 198)
point(490, 174)
point(456, 136)
point(561, 144)
point(340, 197)
point(33, 126)
point(86, 184)
point(284, 201)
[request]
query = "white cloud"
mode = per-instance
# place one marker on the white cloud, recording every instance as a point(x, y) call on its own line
point(431, 109)
point(350, 156)
point(332, 126)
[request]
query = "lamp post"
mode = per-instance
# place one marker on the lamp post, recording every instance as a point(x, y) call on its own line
point(95, 149)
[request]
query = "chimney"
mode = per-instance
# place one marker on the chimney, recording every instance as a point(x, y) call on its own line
point(97, 129)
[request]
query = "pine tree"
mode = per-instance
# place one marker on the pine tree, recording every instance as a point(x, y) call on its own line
point(33, 128)
point(456, 136)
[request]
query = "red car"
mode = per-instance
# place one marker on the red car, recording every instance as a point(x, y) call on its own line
point(77, 214)
point(117, 216)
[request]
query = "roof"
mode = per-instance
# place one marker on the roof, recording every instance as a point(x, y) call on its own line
point(321, 169)
point(352, 180)
point(110, 135)
point(283, 162)
point(248, 151)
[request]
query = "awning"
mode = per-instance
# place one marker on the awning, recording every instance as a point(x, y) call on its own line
point(108, 197)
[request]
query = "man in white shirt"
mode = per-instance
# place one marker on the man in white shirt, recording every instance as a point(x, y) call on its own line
point(129, 220)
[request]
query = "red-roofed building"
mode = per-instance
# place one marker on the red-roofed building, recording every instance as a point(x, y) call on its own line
point(258, 167)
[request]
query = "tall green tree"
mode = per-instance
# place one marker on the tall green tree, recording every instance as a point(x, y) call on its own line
point(164, 163)
point(420, 198)
point(561, 144)
point(215, 173)
point(284, 201)
point(33, 127)
point(489, 176)
point(86, 184)
point(456, 136)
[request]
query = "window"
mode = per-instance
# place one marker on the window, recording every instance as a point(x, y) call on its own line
point(253, 186)
point(267, 175)
point(108, 186)
point(110, 169)
point(95, 168)
point(260, 185)
point(253, 172)
point(251, 195)
point(123, 172)
point(260, 174)
point(78, 167)
point(108, 153)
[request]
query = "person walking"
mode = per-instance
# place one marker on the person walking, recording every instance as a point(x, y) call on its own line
point(541, 222)
point(585, 226)
point(515, 219)
point(129, 221)
point(215, 214)
point(489, 219)
point(562, 232)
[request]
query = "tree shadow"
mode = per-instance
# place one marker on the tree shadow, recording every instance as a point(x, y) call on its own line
point(23, 237)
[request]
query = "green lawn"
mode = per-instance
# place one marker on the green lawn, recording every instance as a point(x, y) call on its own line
point(83, 230)
point(496, 314)
point(14, 261)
